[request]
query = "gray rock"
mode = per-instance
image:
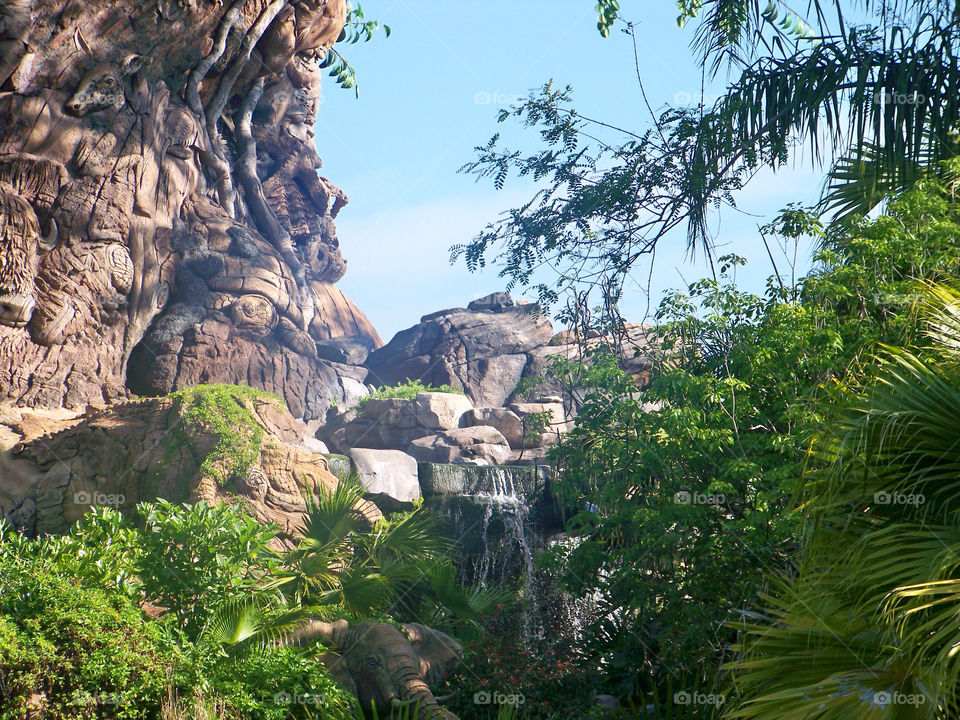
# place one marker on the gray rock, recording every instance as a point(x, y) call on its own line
point(388, 476)
point(494, 302)
point(317, 447)
point(503, 419)
point(353, 390)
point(472, 445)
point(441, 411)
point(483, 352)
point(348, 350)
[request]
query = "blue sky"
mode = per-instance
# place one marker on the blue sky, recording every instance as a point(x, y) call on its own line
point(431, 92)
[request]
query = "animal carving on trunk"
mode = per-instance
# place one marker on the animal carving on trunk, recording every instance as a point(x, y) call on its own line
point(171, 145)
point(102, 87)
point(20, 241)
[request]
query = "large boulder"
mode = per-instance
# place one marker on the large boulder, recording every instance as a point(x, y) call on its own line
point(473, 445)
point(392, 423)
point(483, 351)
point(389, 477)
point(506, 421)
point(544, 419)
point(441, 411)
point(172, 448)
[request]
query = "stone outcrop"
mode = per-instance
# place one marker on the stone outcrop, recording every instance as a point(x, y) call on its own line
point(152, 448)
point(162, 221)
point(389, 477)
point(440, 411)
point(480, 445)
point(504, 420)
point(392, 423)
point(482, 350)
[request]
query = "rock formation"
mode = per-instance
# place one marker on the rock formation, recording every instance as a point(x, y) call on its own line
point(162, 222)
point(487, 348)
point(152, 448)
point(482, 349)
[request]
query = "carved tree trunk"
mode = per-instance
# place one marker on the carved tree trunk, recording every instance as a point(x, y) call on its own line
point(162, 222)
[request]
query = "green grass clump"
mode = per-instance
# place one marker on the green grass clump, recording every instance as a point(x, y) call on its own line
point(406, 390)
point(225, 410)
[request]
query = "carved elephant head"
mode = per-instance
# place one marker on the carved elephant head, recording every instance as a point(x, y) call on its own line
point(386, 668)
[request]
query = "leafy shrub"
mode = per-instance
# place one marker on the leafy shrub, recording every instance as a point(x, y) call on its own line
point(406, 390)
point(74, 650)
point(280, 683)
point(195, 557)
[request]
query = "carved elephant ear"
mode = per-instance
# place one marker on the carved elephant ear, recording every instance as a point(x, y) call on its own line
point(439, 653)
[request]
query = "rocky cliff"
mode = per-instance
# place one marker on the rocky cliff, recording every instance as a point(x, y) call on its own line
point(162, 220)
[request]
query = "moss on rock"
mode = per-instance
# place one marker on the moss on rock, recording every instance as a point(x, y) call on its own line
point(228, 412)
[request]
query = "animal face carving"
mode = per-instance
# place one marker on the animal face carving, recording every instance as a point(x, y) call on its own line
point(19, 236)
point(101, 87)
point(253, 315)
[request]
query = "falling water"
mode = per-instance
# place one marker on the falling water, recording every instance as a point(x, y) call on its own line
point(495, 528)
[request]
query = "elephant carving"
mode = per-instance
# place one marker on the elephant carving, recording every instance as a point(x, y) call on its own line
point(386, 668)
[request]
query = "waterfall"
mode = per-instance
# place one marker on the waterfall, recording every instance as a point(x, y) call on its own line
point(501, 518)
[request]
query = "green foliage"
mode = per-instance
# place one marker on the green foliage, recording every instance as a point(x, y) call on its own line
point(225, 411)
point(69, 623)
point(601, 204)
point(877, 90)
point(681, 488)
point(399, 564)
point(196, 557)
point(102, 548)
point(356, 29)
point(607, 13)
point(868, 621)
point(280, 682)
point(406, 390)
point(88, 650)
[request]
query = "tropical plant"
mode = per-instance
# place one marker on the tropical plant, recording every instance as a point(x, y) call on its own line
point(679, 491)
point(401, 564)
point(867, 86)
point(866, 81)
point(74, 650)
point(867, 622)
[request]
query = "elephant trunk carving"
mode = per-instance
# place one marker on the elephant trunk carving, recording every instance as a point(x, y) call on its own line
point(387, 668)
